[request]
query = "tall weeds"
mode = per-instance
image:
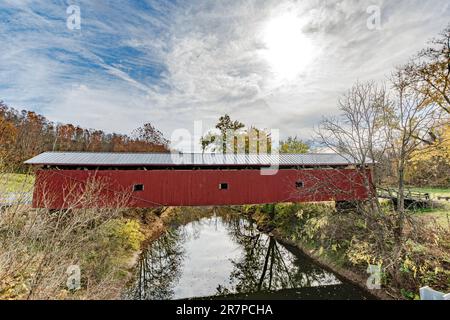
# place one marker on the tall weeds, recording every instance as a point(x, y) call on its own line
point(38, 245)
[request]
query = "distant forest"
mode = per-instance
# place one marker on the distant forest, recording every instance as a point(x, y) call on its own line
point(24, 134)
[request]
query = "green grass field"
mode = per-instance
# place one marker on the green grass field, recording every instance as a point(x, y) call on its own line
point(442, 210)
point(442, 215)
point(16, 182)
point(434, 192)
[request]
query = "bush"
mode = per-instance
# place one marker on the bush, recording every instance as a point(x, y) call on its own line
point(122, 234)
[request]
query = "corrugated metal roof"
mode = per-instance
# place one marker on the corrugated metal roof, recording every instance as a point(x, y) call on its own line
point(191, 159)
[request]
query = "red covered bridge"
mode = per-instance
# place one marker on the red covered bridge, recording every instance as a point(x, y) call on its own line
point(149, 180)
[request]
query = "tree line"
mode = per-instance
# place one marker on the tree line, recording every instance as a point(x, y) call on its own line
point(24, 134)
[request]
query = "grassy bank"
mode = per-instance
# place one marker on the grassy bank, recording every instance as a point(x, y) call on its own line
point(440, 208)
point(348, 243)
point(16, 182)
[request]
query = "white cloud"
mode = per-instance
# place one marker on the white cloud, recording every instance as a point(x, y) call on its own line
point(197, 60)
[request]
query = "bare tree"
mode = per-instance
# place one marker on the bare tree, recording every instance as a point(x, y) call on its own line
point(358, 133)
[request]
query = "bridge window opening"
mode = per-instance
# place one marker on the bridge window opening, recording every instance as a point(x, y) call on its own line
point(299, 184)
point(138, 187)
point(223, 186)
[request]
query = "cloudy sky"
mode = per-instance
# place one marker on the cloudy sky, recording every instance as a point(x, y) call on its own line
point(271, 63)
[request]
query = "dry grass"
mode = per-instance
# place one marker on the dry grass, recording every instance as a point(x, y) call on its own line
point(38, 245)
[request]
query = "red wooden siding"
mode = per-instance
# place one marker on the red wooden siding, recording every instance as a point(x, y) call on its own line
point(59, 188)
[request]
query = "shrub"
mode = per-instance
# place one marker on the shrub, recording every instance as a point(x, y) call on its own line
point(122, 234)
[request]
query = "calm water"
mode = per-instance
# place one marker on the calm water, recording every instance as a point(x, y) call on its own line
point(228, 257)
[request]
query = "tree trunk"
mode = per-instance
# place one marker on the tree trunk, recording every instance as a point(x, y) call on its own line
point(400, 202)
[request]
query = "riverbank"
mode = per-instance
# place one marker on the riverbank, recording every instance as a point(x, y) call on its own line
point(38, 246)
point(41, 247)
point(340, 243)
point(347, 243)
point(326, 263)
point(315, 254)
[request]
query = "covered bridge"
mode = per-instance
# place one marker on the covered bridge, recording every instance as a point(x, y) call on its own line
point(185, 179)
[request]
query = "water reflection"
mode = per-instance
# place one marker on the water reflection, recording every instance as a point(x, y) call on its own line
point(159, 268)
point(227, 256)
point(268, 266)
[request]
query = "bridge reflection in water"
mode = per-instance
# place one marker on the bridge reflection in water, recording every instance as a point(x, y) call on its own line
point(227, 257)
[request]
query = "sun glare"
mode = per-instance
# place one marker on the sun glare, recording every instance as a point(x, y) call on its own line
point(288, 51)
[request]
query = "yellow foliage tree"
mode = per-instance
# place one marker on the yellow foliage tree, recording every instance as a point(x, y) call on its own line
point(8, 135)
point(431, 163)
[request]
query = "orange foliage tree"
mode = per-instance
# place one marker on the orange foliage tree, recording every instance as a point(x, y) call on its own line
point(25, 134)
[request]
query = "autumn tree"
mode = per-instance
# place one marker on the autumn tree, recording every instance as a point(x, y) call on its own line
point(234, 137)
point(429, 74)
point(218, 142)
point(65, 134)
point(151, 136)
point(8, 135)
point(293, 145)
point(25, 134)
point(429, 70)
point(31, 135)
point(257, 141)
point(94, 142)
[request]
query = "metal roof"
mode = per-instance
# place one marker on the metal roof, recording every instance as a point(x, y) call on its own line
point(189, 159)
